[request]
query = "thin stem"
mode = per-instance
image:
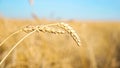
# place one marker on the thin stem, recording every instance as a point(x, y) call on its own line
point(15, 47)
point(8, 37)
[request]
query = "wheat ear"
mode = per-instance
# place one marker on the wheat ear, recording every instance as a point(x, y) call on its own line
point(69, 30)
point(9, 37)
point(15, 47)
point(42, 28)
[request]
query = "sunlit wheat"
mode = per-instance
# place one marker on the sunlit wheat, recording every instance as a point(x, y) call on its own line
point(63, 28)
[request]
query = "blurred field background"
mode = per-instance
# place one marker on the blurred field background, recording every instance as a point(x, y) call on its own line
point(100, 46)
point(96, 22)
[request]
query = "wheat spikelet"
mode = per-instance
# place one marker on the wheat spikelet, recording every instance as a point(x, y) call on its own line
point(71, 31)
point(28, 29)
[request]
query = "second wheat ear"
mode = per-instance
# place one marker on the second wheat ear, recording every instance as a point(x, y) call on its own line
point(64, 28)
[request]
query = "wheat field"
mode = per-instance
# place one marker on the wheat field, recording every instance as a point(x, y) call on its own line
point(100, 45)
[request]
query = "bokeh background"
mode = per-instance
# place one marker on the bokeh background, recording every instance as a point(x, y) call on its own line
point(97, 22)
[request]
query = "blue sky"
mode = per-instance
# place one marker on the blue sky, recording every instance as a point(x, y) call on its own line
point(64, 9)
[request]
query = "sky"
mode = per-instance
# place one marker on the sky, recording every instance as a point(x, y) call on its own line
point(62, 9)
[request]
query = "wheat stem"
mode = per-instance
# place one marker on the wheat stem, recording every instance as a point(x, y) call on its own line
point(8, 37)
point(15, 47)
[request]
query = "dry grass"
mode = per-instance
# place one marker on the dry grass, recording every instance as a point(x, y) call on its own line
point(100, 45)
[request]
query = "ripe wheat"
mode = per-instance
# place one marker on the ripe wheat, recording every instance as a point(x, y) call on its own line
point(64, 28)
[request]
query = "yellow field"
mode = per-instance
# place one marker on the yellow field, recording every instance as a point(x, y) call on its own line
point(100, 46)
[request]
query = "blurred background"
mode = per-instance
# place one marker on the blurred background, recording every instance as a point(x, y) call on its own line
point(97, 22)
